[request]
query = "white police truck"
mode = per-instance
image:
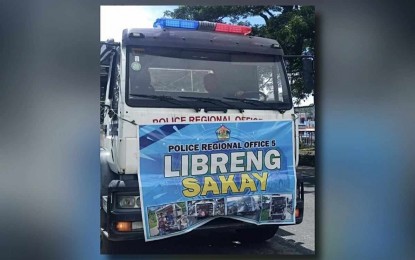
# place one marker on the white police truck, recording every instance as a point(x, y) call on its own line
point(161, 75)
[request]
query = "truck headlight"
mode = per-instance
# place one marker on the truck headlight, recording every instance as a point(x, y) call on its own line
point(128, 202)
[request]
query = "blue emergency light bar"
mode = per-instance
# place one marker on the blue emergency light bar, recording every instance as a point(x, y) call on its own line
point(176, 23)
point(201, 26)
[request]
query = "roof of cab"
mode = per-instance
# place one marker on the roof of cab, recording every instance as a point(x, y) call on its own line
point(200, 40)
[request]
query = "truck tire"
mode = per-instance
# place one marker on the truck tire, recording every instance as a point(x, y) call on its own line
point(257, 234)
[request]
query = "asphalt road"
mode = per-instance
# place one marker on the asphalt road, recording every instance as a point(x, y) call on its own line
point(304, 234)
point(289, 240)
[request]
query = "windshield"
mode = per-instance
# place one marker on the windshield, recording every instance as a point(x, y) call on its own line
point(240, 80)
point(278, 200)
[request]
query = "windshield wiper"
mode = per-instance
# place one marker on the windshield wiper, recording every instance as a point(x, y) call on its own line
point(164, 98)
point(250, 101)
point(214, 101)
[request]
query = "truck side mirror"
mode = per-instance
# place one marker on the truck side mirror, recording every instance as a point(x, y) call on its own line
point(308, 74)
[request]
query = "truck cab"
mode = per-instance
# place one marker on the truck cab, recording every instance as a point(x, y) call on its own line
point(182, 72)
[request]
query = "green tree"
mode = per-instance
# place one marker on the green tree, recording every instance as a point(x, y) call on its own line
point(292, 26)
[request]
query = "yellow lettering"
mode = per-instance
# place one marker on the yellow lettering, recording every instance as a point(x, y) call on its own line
point(210, 185)
point(192, 187)
point(247, 182)
point(228, 183)
point(262, 179)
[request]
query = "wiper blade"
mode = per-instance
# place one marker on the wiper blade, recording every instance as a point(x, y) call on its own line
point(167, 99)
point(250, 101)
point(159, 97)
point(214, 101)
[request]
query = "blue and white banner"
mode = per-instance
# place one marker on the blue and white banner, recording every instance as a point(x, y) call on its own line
point(190, 174)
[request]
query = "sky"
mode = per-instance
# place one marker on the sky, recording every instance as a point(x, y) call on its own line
point(118, 17)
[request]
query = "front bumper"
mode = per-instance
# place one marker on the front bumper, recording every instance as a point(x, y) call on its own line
point(110, 217)
point(218, 224)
